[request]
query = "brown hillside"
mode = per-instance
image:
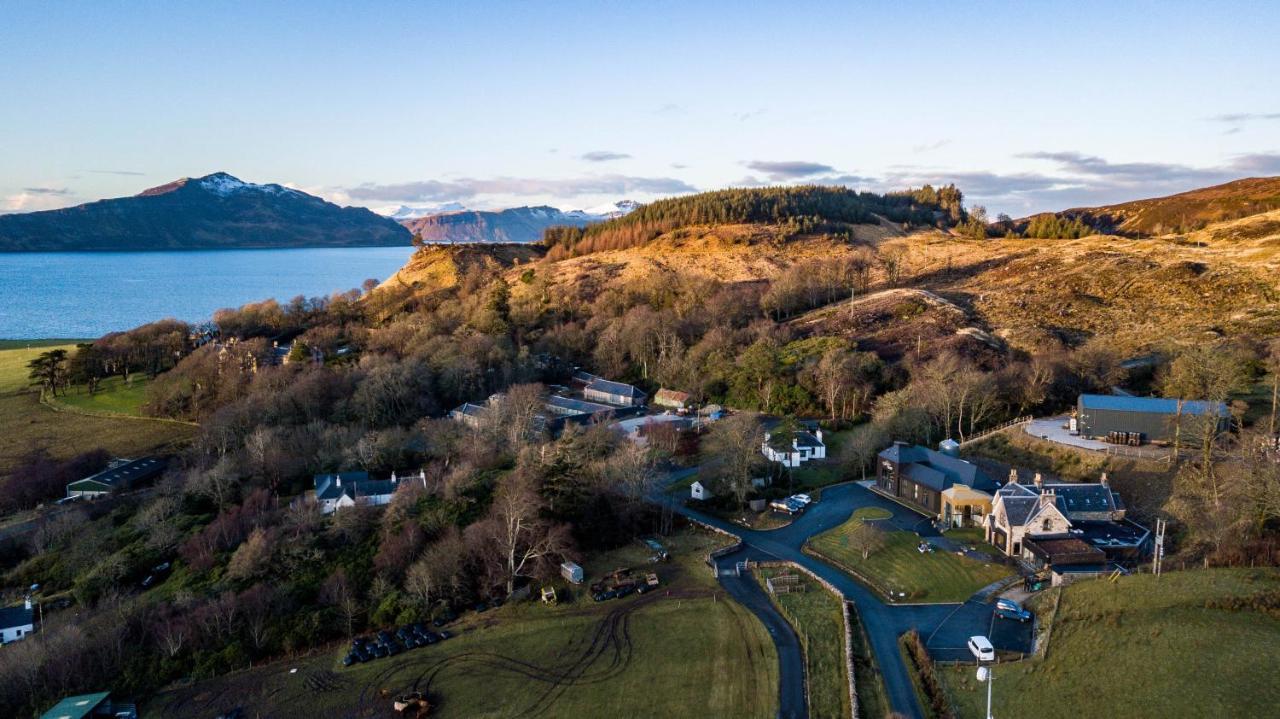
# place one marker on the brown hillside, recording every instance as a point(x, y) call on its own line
point(436, 267)
point(1186, 211)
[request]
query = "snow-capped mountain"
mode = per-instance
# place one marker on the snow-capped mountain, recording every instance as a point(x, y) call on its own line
point(516, 224)
point(405, 212)
point(211, 212)
point(608, 212)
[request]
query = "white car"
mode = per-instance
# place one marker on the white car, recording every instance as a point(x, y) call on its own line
point(802, 499)
point(981, 649)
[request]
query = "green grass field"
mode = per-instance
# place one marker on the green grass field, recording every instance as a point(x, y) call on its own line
point(815, 615)
point(1146, 647)
point(113, 396)
point(25, 424)
point(685, 650)
point(897, 568)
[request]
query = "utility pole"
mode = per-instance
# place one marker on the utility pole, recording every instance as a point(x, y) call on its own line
point(986, 675)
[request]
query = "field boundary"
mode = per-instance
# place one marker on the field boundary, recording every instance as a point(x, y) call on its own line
point(848, 628)
point(57, 406)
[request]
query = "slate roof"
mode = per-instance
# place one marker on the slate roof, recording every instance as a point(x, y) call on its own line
point(1150, 405)
point(576, 406)
point(468, 409)
point(1019, 509)
point(354, 484)
point(1086, 497)
point(18, 616)
point(953, 469)
point(619, 388)
point(805, 439)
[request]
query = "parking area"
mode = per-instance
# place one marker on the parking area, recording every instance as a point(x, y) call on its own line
point(1054, 429)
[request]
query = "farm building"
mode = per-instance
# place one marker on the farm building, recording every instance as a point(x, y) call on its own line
point(91, 706)
point(1098, 415)
point(16, 622)
point(672, 399)
point(122, 474)
point(919, 476)
point(617, 393)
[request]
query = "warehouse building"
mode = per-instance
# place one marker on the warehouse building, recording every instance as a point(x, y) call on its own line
point(1155, 419)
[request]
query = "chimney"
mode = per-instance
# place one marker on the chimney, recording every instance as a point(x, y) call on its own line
point(28, 602)
point(1039, 481)
point(422, 474)
point(1104, 481)
point(393, 477)
point(337, 479)
point(1013, 476)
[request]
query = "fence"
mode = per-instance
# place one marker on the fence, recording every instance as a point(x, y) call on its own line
point(998, 428)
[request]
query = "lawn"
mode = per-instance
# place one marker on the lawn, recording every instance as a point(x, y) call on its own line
point(113, 396)
point(1147, 647)
point(25, 424)
point(896, 569)
point(685, 650)
point(815, 615)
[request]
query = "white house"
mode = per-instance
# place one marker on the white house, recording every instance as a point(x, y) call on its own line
point(347, 489)
point(700, 491)
point(802, 447)
point(615, 393)
point(16, 622)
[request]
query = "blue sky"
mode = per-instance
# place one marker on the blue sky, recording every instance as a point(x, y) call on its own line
point(1027, 106)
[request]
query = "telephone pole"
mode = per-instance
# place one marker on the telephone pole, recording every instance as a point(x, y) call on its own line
point(1158, 559)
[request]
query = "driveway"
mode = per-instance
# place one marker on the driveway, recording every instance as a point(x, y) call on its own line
point(945, 627)
point(791, 699)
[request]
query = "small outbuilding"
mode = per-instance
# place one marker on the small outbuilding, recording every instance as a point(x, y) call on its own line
point(87, 706)
point(673, 399)
point(700, 491)
point(572, 572)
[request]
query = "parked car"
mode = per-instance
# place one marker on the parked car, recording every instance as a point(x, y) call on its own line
point(981, 649)
point(803, 499)
point(1009, 609)
point(446, 635)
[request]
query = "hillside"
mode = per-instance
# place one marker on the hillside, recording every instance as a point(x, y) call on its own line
point(1183, 212)
point(517, 224)
point(435, 267)
point(216, 211)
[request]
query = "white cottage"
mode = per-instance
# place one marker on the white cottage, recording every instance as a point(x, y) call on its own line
point(16, 622)
point(700, 491)
point(347, 489)
point(794, 448)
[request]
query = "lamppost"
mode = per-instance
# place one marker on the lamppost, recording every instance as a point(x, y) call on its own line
point(985, 675)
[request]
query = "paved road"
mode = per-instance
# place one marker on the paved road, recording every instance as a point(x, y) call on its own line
point(944, 627)
point(791, 699)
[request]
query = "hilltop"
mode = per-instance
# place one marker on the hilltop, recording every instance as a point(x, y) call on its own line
point(516, 224)
point(216, 211)
point(1181, 213)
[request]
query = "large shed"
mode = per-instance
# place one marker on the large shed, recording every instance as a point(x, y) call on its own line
point(1156, 418)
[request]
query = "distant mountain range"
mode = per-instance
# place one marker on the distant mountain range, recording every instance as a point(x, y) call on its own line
point(516, 224)
point(216, 211)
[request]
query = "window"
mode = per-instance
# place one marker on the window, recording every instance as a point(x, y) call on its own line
point(1047, 524)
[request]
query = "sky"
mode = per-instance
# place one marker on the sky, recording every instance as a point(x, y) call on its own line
point(1027, 106)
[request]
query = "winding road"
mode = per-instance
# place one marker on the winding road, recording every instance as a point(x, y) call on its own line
point(944, 627)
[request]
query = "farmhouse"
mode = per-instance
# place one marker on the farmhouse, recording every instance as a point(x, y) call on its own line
point(1064, 525)
point(121, 474)
point(791, 449)
point(918, 476)
point(671, 399)
point(616, 393)
point(347, 489)
point(1156, 419)
point(16, 622)
point(469, 414)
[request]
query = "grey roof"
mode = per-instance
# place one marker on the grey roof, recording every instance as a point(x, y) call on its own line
point(126, 474)
point(1087, 497)
point(16, 617)
point(1019, 509)
point(353, 483)
point(1151, 405)
point(618, 388)
point(954, 469)
point(805, 439)
point(570, 404)
point(468, 409)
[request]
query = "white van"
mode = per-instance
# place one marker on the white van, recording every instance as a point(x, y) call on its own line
point(982, 649)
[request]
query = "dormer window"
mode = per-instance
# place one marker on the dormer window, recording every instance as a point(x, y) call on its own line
point(1047, 524)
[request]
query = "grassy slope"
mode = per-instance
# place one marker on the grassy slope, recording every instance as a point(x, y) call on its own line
point(112, 396)
point(815, 615)
point(898, 567)
point(1144, 647)
point(26, 424)
point(693, 653)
